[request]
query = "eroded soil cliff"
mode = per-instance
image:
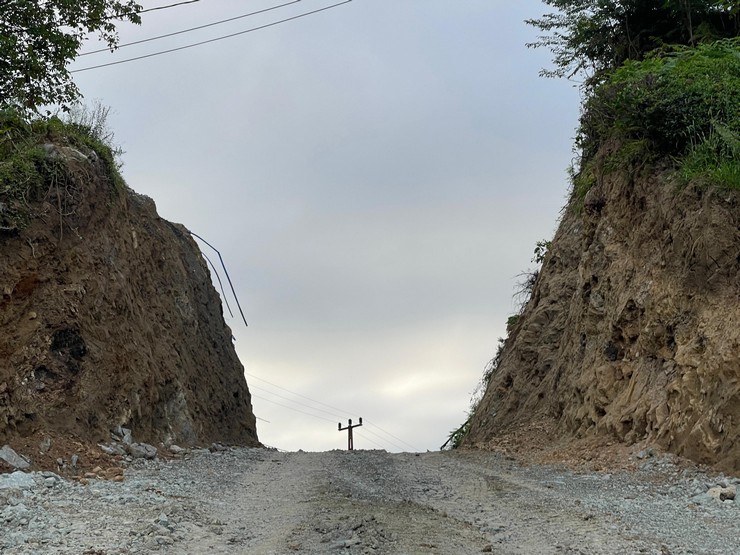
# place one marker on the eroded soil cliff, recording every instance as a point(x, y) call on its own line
point(108, 317)
point(633, 328)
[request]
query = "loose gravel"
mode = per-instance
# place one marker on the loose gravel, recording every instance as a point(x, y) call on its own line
point(260, 501)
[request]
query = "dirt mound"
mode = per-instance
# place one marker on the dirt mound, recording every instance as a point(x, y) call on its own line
point(108, 318)
point(633, 329)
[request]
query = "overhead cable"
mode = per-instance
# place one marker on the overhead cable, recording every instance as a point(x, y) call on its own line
point(119, 46)
point(381, 438)
point(413, 448)
point(298, 394)
point(292, 408)
point(212, 40)
point(390, 434)
point(315, 416)
point(367, 430)
point(168, 6)
point(141, 11)
point(357, 434)
point(293, 401)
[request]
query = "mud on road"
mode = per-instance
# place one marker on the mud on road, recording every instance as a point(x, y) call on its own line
point(257, 501)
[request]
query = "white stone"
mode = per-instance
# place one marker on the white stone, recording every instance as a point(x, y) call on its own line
point(13, 458)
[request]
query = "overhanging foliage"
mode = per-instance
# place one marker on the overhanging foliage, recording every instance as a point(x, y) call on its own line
point(38, 38)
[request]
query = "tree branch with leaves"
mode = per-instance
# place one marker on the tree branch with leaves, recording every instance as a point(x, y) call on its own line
point(38, 39)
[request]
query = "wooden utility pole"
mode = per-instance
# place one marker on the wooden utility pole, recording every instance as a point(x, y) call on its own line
point(350, 442)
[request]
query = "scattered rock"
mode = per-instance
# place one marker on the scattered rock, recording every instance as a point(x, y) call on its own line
point(142, 451)
point(122, 434)
point(113, 449)
point(13, 459)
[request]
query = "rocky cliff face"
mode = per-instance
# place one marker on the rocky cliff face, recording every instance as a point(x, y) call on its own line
point(633, 328)
point(108, 317)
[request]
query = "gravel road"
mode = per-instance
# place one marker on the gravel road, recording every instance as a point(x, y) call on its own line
point(259, 501)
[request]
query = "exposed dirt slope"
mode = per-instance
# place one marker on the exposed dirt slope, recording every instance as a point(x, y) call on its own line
point(633, 328)
point(108, 317)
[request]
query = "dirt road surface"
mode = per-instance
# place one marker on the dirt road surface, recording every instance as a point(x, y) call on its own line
point(260, 502)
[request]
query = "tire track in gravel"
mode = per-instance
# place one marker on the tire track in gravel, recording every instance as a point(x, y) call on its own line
point(442, 503)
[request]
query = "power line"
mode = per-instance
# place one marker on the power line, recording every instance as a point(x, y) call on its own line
point(293, 401)
point(390, 434)
point(304, 412)
point(119, 46)
point(212, 40)
point(168, 6)
point(368, 439)
point(381, 438)
point(141, 11)
point(292, 408)
point(298, 394)
point(413, 448)
point(315, 416)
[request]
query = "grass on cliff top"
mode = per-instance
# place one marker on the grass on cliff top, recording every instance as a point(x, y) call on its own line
point(27, 170)
point(680, 104)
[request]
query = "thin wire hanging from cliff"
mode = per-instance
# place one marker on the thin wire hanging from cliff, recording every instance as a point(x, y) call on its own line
point(226, 272)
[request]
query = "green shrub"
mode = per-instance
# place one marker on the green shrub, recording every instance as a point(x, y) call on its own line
point(511, 322)
point(681, 104)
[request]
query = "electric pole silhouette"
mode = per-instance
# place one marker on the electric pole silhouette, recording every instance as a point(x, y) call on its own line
point(349, 427)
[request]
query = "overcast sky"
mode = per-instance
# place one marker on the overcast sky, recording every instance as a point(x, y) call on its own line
point(375, 176)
